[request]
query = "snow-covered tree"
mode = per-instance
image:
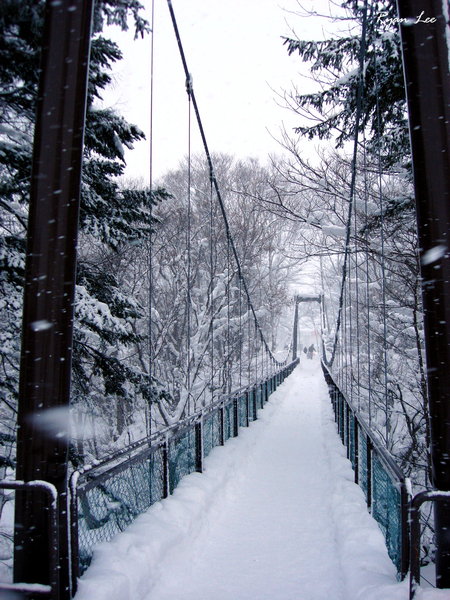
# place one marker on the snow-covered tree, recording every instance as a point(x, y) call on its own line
point(202, 329)
point(110, 215)
point(381, 316)
point(330, 111)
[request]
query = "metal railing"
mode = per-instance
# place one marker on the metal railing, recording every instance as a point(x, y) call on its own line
point(382, 481)
point(36, 590)
point(107, 497)
point(416, 504)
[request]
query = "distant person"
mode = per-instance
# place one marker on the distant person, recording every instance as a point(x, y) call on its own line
point(305, 350)
point(311, 351)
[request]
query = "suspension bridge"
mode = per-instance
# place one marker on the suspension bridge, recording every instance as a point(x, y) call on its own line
point(274, 477)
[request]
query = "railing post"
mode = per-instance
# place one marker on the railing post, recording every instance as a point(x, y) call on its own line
point(347, 429)
point(247, 405)
point(341, 416)
point(369, 473)
point(166, 471)
point(405, 533)
point(235, 418)
point(199, 445)
point(222, 425)
point(19, 589)
point(356, 440)
point(74, 544)
point(255, 401)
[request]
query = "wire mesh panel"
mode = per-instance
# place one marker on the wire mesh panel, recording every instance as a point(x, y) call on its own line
point(386, 509)
point(242, 409)
point(352, 439)
point(380, 478)
point(341, 417)
point(181, 456)
point(228, 422)
point(251, 405)
point(108, 504)
point(211, 431)
point(207, 434)
point(260, 396)
point(107, 501)
point(363, 474)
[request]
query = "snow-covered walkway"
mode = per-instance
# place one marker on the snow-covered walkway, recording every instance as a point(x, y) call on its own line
point(276, 516)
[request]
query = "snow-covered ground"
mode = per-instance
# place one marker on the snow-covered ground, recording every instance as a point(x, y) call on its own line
point(275, 515)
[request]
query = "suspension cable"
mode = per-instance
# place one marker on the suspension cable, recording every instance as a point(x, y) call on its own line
point(216, 185)
point(359, 95)
point(188, 248)
point(150, 251)
point(382, 239)
point(366, 243)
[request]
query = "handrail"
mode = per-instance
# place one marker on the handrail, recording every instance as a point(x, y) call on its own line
point(376, 444)
point(390, 467)
point(390, 463)
point(158, 436)
point(212, 425)
point(39, 590)
point(416, 503)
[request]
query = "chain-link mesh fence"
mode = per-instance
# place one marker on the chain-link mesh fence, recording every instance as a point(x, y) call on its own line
point(108, 503)
point(228, 418)
point(211, 431)
point(363, 464)
point(182, 451)
point(352, 450)
point(380, 478)
point(243, 410)
point(107, 498)
point(387, 508)
point(251, 405)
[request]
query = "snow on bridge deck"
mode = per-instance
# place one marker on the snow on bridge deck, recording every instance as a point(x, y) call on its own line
point(275, 516)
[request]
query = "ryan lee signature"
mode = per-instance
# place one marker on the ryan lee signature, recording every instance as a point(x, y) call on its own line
point(407, 21)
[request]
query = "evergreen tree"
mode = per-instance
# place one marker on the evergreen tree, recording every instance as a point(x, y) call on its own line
point(390, 306)
point(109, 217)
point(335, 60)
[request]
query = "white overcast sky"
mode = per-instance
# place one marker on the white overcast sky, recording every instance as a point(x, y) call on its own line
point(238, 63)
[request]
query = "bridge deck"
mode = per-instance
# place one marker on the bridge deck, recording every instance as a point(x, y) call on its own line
point(275, 516)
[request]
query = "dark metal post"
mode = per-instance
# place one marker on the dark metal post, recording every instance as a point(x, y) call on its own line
point(50, 494)
point(166, 469)
point(295, 331)
point(427, 77)
point(74, 539)
point(369, 472)
point(222, 425)
point(199, 446)
point(405, 533)
point(347, 429)
point(235, 418)
point(45, 370)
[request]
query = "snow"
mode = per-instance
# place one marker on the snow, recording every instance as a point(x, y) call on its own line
point(52, 422)
point(41, 325)
point(334, 231)
point(276, 514)
point(434, 254)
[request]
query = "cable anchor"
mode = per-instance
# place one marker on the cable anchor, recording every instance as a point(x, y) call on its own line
point(189, 86)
